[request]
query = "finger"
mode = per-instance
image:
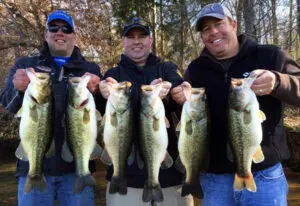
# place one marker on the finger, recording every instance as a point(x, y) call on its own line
point(156, 81)
point(111, 80)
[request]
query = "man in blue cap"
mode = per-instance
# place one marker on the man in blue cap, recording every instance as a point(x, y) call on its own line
point(227, 56)
point(139, 66)
point(60, 58)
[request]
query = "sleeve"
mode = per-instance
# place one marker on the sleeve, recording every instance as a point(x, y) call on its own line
point(11, 98)
point(288, 79)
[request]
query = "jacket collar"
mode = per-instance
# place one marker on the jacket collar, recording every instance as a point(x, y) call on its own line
point(126, 62)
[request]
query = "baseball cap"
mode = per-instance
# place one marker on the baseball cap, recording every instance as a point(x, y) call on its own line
point(61, 15)
point(136, 22)
point(215, 10)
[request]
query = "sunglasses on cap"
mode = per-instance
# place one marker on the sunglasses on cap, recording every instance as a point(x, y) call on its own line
point(64, 28)
point(136, 20)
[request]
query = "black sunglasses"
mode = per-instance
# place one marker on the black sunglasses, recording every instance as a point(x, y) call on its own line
point(64, 28)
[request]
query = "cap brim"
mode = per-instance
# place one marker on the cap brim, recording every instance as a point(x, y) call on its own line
point(136, 26)
point(62, 19)
point(215, 15)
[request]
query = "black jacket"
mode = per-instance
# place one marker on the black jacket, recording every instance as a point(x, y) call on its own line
point(207, 72)
point(12, 100)
point(127, 70)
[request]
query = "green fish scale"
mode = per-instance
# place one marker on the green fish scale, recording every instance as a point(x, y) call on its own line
point(153, 149)
point(79, 138)
point(121, 142)
point(243, 143)
point(37, 139)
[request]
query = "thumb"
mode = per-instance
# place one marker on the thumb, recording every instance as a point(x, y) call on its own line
point(111, 80)
point(156, 81)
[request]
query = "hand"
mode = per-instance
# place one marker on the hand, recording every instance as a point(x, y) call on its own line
point(93, 84)
point(165, 88)
point(264, 82)
point(178, 93)
point(21, 80)
point(105, 86)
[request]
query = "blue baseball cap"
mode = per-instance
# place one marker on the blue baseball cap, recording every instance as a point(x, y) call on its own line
point(61, 15)
point(136, 22)
point(215, 10)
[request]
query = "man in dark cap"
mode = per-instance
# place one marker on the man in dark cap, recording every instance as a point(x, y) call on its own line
point(60, 58)
point(139, 66)
point(227, 56)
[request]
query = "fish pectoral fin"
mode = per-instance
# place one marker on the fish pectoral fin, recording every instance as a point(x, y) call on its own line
point(105, 158)
point(20, 153)
point(189, 127)
point(130, 159)
point(113, 119)
point(19, 113)
point(167, 122)
point(103, 120)
point(155, 124)
point(86, 116)
point(179, 166)
point(258, 156)
point(262, 116)
point(229, 153)
point(167, 162)
point(178, 127)
point(97, 152)
point(66, 153)
point(51, 151)
point(139, 160)
point(33, 113)
point(247, 118)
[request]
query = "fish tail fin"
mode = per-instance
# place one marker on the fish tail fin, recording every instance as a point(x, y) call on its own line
point(193, 189)
point(37, 182)
point(152, 193)
point(118, 185)
point(83, 181)
point(241, 183)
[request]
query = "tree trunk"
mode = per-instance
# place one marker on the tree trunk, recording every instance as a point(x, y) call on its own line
point(274, 22)
point(239, 16)
point(250, 19)
point(162, 53)
point(154, 34)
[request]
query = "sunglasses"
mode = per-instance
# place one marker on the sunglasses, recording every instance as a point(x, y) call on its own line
point(64, 28)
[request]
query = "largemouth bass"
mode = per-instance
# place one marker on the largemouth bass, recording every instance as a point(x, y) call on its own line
point(154, 140)
point(193, 139)
point(80, 145)
point(118, 134)
point(35, 129)
point(245, 131)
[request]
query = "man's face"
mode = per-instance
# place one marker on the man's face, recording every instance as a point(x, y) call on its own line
point(219, 37)
point(60, 43)
point(137, 46)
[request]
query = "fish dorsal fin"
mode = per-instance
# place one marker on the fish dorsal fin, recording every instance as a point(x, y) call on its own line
point(66, 153)
point(20, 153)
point(261, 116)
point(51, 151)
point(167, 162)
point(105, 158)
point(178, 127)
point(258, 156)
point(97, 152)
point(167, 122)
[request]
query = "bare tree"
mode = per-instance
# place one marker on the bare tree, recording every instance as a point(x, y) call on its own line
point(250, 18)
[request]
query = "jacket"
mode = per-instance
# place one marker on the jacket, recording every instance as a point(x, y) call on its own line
point(127, 70)
point(206, 71)
point(12, 100)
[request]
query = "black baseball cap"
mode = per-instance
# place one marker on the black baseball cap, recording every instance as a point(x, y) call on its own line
point(136, 22)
